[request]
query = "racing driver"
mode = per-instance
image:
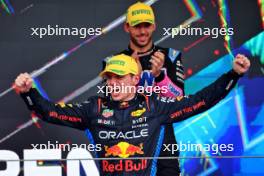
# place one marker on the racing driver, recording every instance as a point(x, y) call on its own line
point(127, 124)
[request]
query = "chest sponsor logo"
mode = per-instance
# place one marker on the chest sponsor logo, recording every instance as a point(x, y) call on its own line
point(138, 113)
point(105, 122)
point(139, 120)
point(124, 165)
point(107, 113)
point(123, 150)
point(123, 135)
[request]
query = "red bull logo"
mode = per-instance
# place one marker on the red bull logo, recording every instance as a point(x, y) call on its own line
point(124, 165)
point(124, 150)
point(114, 151)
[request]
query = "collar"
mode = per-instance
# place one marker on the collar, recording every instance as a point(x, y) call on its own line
point(141, 54)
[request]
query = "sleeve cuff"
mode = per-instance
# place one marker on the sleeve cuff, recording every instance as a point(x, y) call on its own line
point(235, 74)
point(31, 92)
point(30, 97)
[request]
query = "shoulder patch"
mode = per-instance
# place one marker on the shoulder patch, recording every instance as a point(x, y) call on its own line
point(173, 54)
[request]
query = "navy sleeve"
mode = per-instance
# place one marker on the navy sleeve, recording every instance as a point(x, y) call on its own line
point(181, 108)
point(72, 115)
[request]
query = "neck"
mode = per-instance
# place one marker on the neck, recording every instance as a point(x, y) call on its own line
point(140, 49)
point(130, 97)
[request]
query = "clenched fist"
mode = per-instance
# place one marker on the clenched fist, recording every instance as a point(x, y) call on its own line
point(157, 62)
point(23, 83)
point(241, 64)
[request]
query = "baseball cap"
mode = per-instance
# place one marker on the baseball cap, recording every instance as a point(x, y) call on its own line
point(139, 13)
point(121, 65)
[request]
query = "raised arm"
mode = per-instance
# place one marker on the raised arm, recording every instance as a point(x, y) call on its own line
point(182, 108)
point(72, 115)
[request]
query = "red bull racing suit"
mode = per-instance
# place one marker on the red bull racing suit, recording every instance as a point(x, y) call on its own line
point(129, 129)
point(172, 76)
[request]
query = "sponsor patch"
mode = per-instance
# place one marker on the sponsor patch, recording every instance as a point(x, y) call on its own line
point(138, 112)
point(123, 150)
point(107, 113)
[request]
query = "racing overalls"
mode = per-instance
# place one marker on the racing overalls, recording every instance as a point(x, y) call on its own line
point(129, 129)
point(172, 76)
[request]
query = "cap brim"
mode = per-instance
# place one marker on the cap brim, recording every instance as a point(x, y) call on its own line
point(121, 73)
point(141, 21)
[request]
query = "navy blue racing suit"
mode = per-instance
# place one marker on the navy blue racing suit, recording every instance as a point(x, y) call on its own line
point(129, 129)
point(172, 76)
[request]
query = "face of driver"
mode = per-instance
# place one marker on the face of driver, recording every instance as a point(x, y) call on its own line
point(115, 82)
point(140, 34)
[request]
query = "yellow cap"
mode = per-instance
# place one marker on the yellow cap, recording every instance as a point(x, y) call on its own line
point(139, 13)
point(121, 65)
